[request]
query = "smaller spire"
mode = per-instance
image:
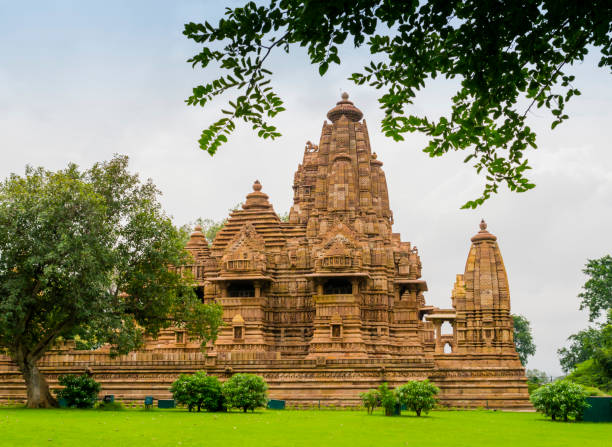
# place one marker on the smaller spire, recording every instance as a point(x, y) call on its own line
point(256, 199)
point(483, 234)
point(197, 238)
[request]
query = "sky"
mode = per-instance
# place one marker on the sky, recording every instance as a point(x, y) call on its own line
point(81, 81)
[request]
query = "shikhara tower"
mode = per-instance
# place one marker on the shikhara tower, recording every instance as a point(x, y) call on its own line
point(332, 303)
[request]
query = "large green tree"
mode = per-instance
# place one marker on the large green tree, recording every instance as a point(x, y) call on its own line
point(597, 290)
point(87, 253)
point(523, 340)
point(581, 348)
point(509, 57)
point(589, 354)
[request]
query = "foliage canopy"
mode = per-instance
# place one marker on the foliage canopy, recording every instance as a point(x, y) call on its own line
point(198, 391)
point(508, 57)
point(418, 396)
point(79, 391)
point(523, 340)
point(560, 400)
point(388, 399)
point(245, 391)
point(370, 400)
point(597, 290)
point(87, 253)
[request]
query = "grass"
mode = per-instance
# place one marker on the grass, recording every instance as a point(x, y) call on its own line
point(22, 427)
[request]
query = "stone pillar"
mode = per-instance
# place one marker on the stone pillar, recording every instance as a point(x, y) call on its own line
point(355, 284)
point(438, 332)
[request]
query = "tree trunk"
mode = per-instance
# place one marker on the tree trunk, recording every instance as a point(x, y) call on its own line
point(418, 412)
point(39, 395)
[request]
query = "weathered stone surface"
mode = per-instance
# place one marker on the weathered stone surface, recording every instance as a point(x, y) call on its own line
point(328, 304)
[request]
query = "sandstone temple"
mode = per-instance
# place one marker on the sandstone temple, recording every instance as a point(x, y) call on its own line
point(328, 304)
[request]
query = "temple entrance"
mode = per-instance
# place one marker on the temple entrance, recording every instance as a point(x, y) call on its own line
point(337, 286)
point(241, 289)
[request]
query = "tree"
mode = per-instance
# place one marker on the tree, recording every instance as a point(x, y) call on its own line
point(523, 340)
point(597, 295)
point(418, 396)
point(210, 227)
point(581, 348)
point(596, 369)
point(508, 57)
point(593, 342)
point(79, 391)
point(245, 391)
point(87, 253)
point(535, 379)
point(370, 399)
point(198, 391)
point(388, 399)
point(560, 400)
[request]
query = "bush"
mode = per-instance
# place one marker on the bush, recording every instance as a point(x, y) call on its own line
point(79, 391)
point(370, 399)
point(198, 391)
point(418, 396)
point(245, 391)
point(387, 399)
point(560, 400)
point(110, 406)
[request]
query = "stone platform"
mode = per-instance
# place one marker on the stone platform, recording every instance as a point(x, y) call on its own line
point(312, 382)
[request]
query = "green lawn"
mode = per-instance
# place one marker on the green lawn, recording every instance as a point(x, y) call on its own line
point(84, 428)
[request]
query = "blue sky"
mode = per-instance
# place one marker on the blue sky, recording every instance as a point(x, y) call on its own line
point(80, 81)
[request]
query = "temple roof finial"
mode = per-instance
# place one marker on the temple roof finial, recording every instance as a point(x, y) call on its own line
point(256, 199)
point(483, 234)
point(344, 107)
point(197, 238)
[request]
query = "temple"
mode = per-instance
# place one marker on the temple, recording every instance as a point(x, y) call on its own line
point(329, 303)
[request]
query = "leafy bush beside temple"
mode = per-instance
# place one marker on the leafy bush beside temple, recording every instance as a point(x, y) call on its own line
point(560, 400)
point(198, 391)
point(79, 391)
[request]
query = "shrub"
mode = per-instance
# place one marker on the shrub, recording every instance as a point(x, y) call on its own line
point(110, 406)
point(418, 396)
point(79, 391)
point(198, 391)
point(560, 400)
point(387, 399)
point(245, 391)
point(370, 399)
